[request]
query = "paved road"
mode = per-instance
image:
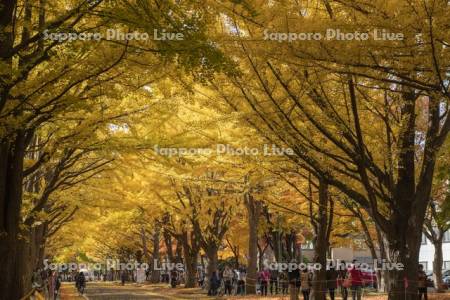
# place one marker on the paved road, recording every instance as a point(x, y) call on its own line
point(108, 291)
point(96, 291)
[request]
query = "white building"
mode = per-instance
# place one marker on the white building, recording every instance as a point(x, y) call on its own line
point(426, 255)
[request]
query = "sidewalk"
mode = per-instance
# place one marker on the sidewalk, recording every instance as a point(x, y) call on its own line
point(68, 292)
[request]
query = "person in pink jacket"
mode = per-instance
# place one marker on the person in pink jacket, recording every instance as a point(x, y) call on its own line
point(264, 277)
point(356, 278)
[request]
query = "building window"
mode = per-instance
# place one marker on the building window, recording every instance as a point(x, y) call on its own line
point(446, 265)
point(424, 239)
point(424, 264)
point(446, 238)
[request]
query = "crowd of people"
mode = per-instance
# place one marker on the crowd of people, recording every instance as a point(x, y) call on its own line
point(49, 282)
point(46, 281)
point(232, 281)
point(349, 282)
point(228, 282)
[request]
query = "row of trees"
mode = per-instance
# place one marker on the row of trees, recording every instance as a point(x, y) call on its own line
point(366, 118)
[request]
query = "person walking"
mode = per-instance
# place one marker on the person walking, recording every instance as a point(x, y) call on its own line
point(214, 284)
point(293, 276)
point(305, 283)
point(80, 283)
point(200, 278)
point(240, 290)
point(174, 278)
point(264, 277)
point(331, 276)
point(284, 283)
point(343, 280)
point(57, 286)
point(227, 280)
point(274, 281)
point(422, 283)
point(123, 277)
point(356, 281)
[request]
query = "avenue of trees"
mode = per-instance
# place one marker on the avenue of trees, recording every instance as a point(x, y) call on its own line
point(130, 148)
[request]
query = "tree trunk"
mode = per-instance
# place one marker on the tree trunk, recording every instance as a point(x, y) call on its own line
point(11, 178)
point(155, 274)
point(191, 248)
point(211, 254)
point(318, 291)
point(404, 248)
point(261, 252)
point(236, 258)
point(437, 264)
point(144, 245)
point(179, 253)
point(213, 260)
point(253, 212)
point(276, 238)
point(31, 251)
point(405, 233)
point(168, 241)
point(190, 261)
point(382, 275)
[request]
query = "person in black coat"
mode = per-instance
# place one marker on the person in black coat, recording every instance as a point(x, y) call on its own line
point(80, 282)
point(331, 276)
point(294, 280)
point(214, 284)
point(57, 286)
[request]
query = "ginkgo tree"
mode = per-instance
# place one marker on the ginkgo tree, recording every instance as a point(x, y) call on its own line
point(362, 100)
point(44, 75)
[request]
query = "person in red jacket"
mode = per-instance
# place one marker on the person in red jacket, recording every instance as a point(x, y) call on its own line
point(264, 277)
point(356, 278)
